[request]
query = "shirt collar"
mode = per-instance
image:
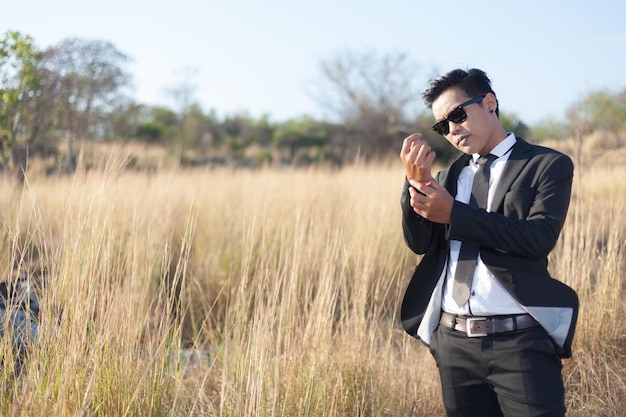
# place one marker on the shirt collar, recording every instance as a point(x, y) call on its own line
point(501, 148)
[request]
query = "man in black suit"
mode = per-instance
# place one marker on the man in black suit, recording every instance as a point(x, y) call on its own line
point(481, 297)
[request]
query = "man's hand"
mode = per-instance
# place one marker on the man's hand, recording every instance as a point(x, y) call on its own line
point(417, 158)
point(434, 203)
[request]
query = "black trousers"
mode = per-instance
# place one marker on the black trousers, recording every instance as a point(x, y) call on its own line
point(510, 374)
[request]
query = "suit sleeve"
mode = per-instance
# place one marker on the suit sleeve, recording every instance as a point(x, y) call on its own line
point(418, 231)
point(532, 216)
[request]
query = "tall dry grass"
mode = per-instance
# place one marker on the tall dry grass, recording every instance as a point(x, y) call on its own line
point(285, 283)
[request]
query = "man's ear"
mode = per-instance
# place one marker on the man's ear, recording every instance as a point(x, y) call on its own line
point(491, 102)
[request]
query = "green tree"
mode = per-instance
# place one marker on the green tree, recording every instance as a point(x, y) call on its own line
point(237, 133)
point(123, 121)
point(157, 124)
point(19, 92)
point(263, 131)
point(302, 134)
point(598, 111)
point(202, 135)
point(602, 110)
point(549, 129)
point(512, 123)
point(249, 138)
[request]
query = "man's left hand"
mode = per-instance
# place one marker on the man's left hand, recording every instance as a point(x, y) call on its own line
point(434, 203)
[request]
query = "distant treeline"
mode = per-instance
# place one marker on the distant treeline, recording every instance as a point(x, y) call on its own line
point(57, 99)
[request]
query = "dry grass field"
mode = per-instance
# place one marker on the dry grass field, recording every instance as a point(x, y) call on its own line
point(262, 293)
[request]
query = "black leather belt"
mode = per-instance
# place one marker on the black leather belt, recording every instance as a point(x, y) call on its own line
point(485, 326)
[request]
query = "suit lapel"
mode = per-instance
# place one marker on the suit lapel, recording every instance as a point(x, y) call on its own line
point(514, 165)
point(450, 180)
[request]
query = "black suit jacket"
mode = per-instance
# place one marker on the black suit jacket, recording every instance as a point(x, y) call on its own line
point(527, 214)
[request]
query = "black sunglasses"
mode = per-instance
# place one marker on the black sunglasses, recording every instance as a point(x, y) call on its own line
point(458, 115)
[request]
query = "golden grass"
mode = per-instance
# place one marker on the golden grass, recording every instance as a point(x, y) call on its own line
point(291, 279)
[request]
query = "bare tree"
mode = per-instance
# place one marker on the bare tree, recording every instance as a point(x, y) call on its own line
point(182, 94)
point(371, 95)
point(89, 82)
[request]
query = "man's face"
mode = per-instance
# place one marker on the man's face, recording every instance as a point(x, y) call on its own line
point(480, 132)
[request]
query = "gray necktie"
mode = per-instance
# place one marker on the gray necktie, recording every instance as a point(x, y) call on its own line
point(469, 250)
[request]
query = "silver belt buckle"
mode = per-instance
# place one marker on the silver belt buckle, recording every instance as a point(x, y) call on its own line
point(469, 325)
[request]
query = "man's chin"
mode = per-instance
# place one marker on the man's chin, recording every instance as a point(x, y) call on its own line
point(465, 149)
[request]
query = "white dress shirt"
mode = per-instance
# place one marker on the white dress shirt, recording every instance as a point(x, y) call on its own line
point(487, 296)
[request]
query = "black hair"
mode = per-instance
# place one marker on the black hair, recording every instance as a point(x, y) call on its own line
point(473, 82)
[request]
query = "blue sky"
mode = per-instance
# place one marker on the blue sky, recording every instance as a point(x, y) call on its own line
point(261, 57)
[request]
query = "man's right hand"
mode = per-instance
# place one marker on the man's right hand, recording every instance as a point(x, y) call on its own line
point(417, 158)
